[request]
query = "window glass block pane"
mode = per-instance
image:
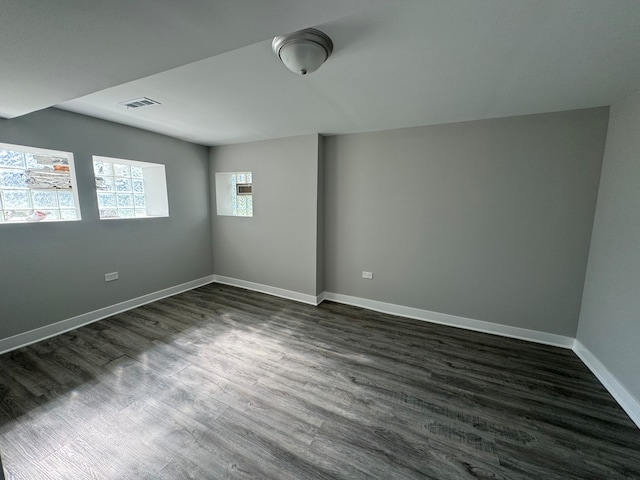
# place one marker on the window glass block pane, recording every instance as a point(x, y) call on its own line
point(138, 186)
point(21, 215)
point(125, 200)
point(106, 200)
point(68, 215)
point(102, 168)
point(12, 179)
point(16, 199)
point(121, 170)
point(108, 213)
point(105, 184)
point(249, 177)
point(48, 161)
point(47, 178)
point(44, 199)
point(43, 161)
point(249, 206)
point(61, 165)
point(128, 189)
point(35, 161)
point(66, 200)
point(30, 161)
point(51, 214)
point(30, 183)
point(139, 200)
point(241, 178)
point(242, 206)
point(11, 159)
point(123, 184)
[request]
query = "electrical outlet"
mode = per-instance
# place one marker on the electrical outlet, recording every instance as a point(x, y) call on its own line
point(110, 277)
point(367, 274)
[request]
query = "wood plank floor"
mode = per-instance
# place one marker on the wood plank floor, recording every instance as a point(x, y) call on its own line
point(220, 383)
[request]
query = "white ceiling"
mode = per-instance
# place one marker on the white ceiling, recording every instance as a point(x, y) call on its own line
point(397, 63)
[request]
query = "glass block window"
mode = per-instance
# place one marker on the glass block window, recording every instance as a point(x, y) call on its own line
point(234, 194)
point(242, 202)
point(130, 189)
point(37, 185)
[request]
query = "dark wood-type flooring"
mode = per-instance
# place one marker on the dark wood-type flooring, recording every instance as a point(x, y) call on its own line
point(221, 382)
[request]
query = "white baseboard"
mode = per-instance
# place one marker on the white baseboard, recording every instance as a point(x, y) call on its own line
point(275, 291)
point(454, 321)
point(321, 298)
point(628, 402)
point(48, 331)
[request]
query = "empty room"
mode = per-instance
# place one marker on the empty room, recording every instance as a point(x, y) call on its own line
point(320, 240)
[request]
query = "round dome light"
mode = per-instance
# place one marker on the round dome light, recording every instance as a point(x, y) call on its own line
point(303, 52)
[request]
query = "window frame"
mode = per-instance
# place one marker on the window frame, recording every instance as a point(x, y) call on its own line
point(155, 187)
point(47, 152)
point(227, 195)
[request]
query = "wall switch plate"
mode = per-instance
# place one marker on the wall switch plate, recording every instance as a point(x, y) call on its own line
point(110, 277)
point(367, 274)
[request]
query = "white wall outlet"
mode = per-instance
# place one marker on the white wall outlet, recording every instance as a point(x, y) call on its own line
point(110, 277)
point(367, 274)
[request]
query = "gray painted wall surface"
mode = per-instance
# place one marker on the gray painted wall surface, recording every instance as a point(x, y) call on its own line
point(277, 246)
point(610, 317)
point(53, 271)
point(488, 220)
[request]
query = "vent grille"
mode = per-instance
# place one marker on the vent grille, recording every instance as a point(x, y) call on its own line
point(244, 189)
point(139, 102)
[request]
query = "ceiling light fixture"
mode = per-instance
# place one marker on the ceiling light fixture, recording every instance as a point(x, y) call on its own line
point(304, 51)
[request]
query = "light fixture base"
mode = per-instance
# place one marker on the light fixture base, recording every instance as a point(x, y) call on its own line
point(304, 51)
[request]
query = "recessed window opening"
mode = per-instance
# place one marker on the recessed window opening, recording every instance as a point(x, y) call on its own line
point(234, 194)
point(37, 185)
point(130, 189)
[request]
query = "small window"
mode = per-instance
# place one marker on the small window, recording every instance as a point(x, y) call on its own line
point(37, 185)
point(130, 189)
point(234, 194)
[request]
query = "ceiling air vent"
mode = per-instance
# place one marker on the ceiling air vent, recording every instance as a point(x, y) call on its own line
point(139, 102)
point(244, 189)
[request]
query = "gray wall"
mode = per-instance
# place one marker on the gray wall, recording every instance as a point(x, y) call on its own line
point(278, 245)
point(610, 318)
point(488, 220)
point(53, 271)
